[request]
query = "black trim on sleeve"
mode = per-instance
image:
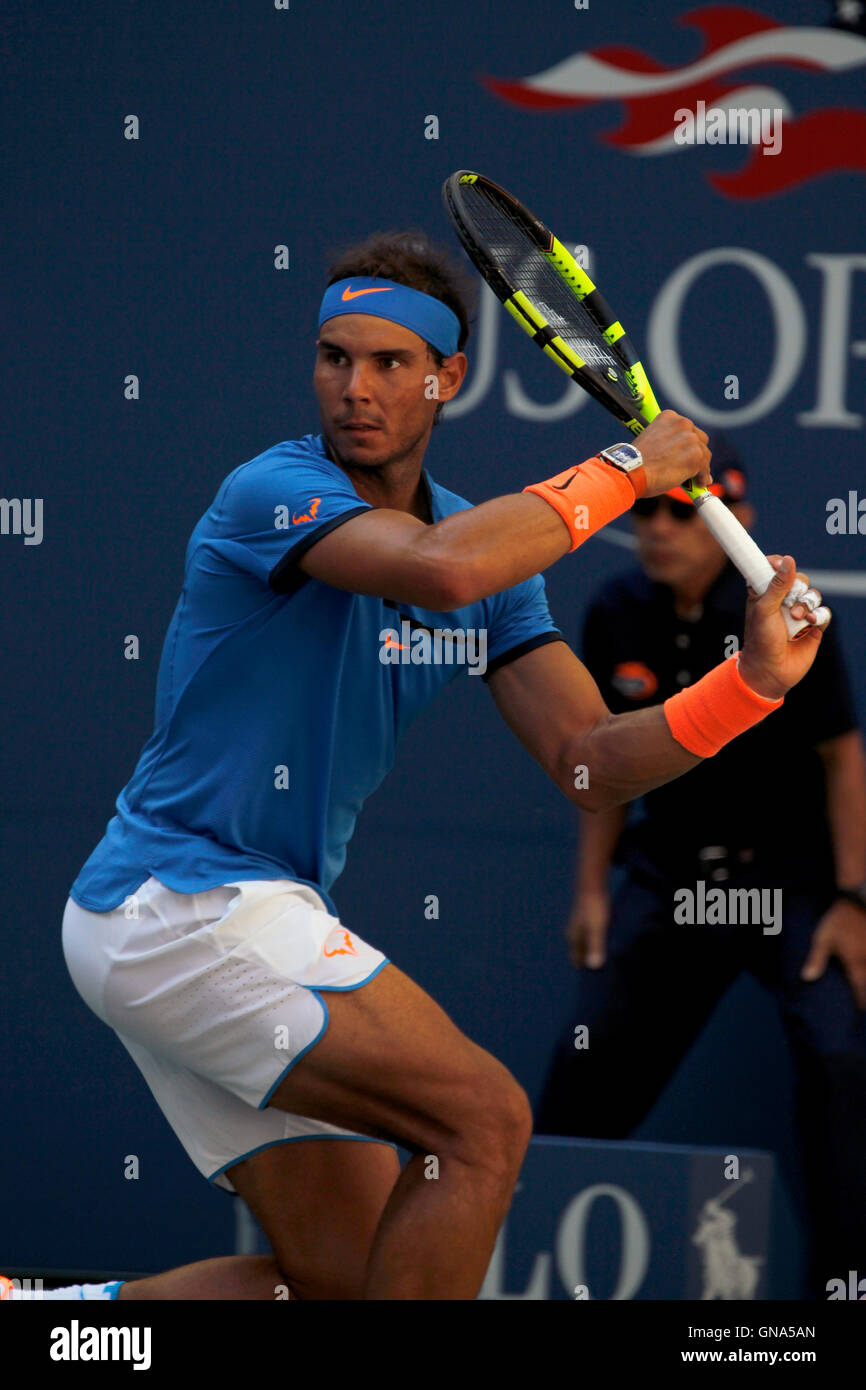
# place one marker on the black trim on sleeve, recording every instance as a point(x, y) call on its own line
point(285, 577)
point(521, 649)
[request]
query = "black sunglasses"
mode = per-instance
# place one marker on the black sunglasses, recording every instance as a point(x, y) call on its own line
point(648, 506)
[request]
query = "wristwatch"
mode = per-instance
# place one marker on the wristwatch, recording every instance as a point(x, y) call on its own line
point(855, 895)
point(628, 459)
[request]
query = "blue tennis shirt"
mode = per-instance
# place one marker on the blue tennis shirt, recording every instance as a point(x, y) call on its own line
point(280, 700)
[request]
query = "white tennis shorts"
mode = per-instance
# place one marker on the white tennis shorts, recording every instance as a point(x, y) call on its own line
point(217, 995)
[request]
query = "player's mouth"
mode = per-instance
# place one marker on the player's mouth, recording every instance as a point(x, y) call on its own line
point(359, 427)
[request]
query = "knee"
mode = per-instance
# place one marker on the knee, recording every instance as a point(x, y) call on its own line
point(498, 1131)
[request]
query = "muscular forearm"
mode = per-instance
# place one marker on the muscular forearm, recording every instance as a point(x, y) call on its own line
point(626, 755)
point(479, 551)
point(504, 541)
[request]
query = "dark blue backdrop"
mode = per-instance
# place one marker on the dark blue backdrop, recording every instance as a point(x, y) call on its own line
point(305, 127)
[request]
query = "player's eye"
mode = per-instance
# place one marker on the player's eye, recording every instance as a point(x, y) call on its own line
point(334, 355)
point(391, 361)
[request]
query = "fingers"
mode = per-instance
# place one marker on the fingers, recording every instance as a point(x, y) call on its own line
point(595, 951)
point(595, 937)
point(816, 961)
point(782, 581)
point(699, 440)
point(805, 605)
point(826, 944)
point(808, 605)
point(703, 474)
point(802, 600)
point(586, 943)
point(674, 449)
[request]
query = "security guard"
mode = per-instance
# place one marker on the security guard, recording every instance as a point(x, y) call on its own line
point(783, 808)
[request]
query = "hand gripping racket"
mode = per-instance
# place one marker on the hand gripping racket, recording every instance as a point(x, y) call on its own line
point(556, 303)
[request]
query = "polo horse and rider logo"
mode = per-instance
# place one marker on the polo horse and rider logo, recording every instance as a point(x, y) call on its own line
point(727, 1272)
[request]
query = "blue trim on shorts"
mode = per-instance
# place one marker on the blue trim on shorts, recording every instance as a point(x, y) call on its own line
point(263, 1103)
point(335, 989)
point(296, 1139)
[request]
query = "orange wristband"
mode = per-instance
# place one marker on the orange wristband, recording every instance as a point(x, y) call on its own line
point(707, 715)
point(587, 497)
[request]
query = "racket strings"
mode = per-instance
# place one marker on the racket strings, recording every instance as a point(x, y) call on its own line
point(529, 271)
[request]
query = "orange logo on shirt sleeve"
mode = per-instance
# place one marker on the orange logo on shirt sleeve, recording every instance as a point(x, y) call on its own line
point(310, 515)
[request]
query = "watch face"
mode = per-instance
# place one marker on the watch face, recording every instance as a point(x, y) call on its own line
point(624, 456)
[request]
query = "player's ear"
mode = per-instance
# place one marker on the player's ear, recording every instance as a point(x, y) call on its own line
point(451, 375)
point(745, 514)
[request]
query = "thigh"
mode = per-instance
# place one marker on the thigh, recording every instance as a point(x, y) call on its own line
point(223, 983)
point(319, 1203)
point(392, 1065)
point(218, 1129)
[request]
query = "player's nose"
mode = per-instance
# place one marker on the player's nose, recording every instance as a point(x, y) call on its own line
point(358, 384)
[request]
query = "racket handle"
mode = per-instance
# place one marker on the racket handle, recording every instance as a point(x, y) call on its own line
point(748, 557)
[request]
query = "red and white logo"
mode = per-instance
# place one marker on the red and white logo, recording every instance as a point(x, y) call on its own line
point(735, 39)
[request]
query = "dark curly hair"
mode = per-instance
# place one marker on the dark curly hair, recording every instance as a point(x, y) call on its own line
point(410, 258)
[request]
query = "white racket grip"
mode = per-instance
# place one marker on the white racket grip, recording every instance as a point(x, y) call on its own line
point(748, 557)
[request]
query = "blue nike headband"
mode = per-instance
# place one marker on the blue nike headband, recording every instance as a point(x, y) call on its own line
point(385, 299)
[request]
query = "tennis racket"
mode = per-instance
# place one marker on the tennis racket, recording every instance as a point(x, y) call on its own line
point(556, 303)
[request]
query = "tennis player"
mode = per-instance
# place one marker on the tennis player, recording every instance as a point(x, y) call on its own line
point(288, 1055)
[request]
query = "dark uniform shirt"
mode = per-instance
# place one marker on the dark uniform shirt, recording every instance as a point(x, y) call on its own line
point(762, 798)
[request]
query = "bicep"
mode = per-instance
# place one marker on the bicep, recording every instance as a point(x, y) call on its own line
point(547, 698)
point(383, 553)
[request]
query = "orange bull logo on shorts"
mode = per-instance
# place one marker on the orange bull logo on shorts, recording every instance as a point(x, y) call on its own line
point(346, 949)
point(634, 680)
